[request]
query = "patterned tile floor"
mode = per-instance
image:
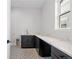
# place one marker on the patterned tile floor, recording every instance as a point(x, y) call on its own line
point(19, 53)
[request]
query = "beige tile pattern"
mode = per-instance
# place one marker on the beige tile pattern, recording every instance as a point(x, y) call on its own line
point(19, 53)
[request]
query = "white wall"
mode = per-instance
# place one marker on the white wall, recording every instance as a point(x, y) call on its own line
point(48, 22)
point(23, 19)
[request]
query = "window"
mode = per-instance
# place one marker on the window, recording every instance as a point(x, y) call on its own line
point(63, 14)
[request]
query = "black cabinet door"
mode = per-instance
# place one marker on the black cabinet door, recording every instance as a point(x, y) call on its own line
point(27, 41)
point(44, 49)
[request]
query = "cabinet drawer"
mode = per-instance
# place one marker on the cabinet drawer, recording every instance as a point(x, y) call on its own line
point(54, 57)
point(59, 54)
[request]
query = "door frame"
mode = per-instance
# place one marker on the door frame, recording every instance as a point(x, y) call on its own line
point(8, 27)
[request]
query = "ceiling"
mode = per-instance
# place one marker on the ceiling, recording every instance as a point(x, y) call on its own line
point(27, 3)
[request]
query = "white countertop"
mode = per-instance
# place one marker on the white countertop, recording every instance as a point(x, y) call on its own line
point(62, 45)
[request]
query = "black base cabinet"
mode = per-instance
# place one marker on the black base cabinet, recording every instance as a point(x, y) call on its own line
point(44, 49)
point(57, 54)
point(27, 41)
point(30, 41)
